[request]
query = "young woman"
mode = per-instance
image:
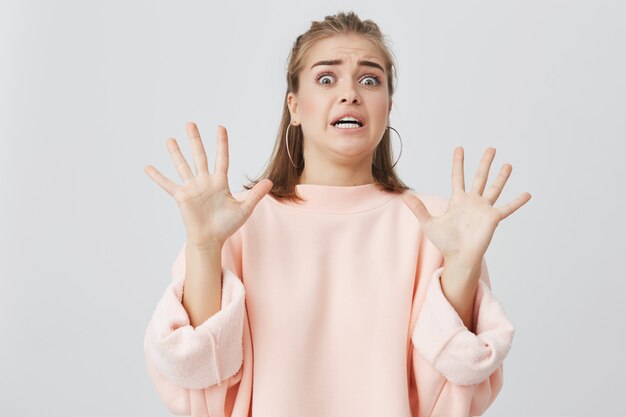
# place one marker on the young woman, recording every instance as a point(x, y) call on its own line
point(326, 288)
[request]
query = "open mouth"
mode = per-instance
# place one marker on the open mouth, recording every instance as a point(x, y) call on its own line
point(348, 123)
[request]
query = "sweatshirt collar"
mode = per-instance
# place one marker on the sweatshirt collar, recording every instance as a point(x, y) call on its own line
point(339, 199)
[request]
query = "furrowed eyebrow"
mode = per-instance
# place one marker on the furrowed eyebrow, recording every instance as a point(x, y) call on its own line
point(339, 61)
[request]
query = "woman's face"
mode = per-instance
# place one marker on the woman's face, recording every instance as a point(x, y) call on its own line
point(328, 90)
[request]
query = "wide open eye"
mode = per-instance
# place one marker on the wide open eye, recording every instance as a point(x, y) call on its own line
point(373, 77)
point(323, 76)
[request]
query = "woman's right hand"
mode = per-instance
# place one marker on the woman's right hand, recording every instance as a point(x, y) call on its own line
point(210, 212)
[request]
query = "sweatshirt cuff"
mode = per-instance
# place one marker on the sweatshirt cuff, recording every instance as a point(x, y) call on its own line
point(204, 356)
point(440, 336)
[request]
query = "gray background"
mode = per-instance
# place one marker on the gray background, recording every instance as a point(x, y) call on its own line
point(90, 92)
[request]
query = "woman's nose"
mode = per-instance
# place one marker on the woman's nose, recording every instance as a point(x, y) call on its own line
point(350, 94)
point(354, 100)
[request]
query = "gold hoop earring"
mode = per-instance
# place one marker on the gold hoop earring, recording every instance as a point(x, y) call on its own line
point(287, 146)
point(374, 157)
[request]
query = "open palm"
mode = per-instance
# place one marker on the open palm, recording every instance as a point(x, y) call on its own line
point(464, 231)
point(210, 212)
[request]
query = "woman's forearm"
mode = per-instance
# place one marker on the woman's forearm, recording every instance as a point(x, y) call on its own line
point(202, 291)
point(459, 285)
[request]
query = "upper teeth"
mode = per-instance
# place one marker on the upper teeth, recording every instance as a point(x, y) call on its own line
point(347, 119)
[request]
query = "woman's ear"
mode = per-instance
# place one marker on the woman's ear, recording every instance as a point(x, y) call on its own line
point(292, 104)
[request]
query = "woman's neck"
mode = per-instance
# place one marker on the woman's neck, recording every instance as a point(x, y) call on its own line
point(335, 180)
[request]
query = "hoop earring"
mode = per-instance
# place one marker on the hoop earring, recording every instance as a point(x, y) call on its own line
point(374, 157)
point(287, 146)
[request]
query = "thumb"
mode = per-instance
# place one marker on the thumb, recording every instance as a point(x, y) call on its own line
point(417, 207)
point(257, 192)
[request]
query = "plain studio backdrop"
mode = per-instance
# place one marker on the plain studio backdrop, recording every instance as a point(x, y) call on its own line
point(89, 93)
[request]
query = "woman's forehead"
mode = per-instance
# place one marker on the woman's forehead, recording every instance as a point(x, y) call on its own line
point(344, 48)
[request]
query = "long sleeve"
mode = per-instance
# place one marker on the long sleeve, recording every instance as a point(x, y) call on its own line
point(458, 372)
point(198, 371)
point(197, 358)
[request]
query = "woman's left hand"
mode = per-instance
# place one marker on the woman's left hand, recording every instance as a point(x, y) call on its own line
point(463, 233)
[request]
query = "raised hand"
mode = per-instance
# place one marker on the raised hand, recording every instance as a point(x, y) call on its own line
point(463, 233)
point(210, 212)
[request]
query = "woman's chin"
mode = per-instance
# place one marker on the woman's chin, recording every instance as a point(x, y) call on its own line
point(350, 146)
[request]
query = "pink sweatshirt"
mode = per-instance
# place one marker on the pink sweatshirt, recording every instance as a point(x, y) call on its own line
point(332, 308)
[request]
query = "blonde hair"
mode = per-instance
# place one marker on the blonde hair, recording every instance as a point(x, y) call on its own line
point(280, 170)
